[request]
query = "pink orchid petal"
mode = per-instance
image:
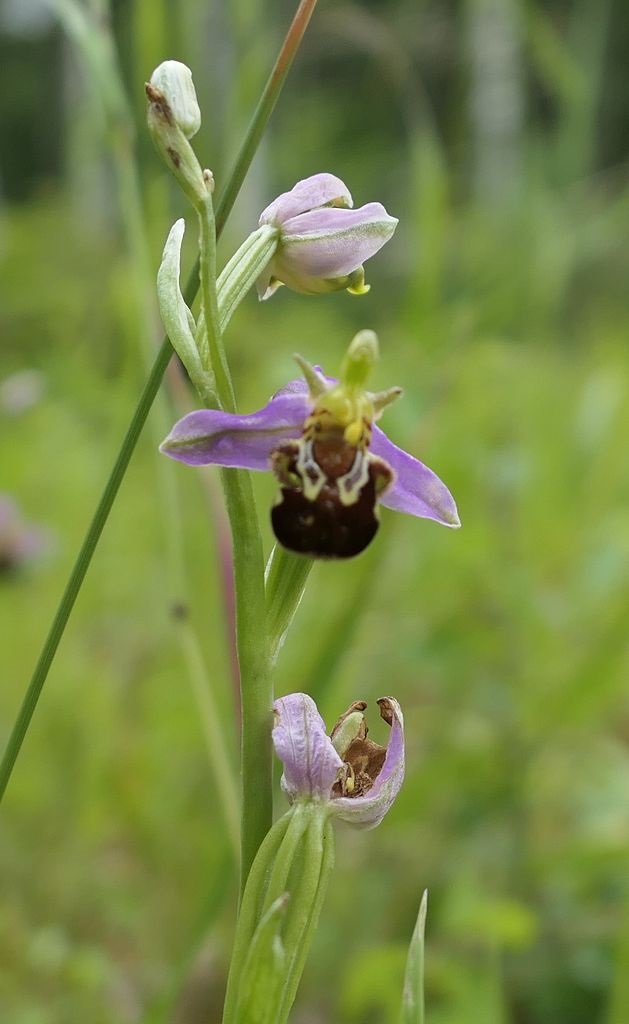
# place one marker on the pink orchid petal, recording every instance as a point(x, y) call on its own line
point(211, 437)
point(311, 763)
point(317, 190)
point(416, 490)
point(329, 243)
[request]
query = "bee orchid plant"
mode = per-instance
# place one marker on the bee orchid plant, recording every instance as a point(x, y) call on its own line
point(319, 436)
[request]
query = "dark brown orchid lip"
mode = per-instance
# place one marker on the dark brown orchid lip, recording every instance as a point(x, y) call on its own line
point(328, 498)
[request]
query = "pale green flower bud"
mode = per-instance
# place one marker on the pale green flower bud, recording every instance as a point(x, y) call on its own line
point(174, 81)
point(173, 116)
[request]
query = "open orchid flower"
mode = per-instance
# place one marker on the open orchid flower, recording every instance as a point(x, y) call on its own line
point(333, 464)
point(323, 242)
point(359, 778)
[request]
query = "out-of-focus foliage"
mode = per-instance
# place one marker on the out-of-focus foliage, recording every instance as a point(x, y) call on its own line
point(496, 131)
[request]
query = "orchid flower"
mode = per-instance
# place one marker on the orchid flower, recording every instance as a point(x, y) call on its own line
point(359, 779)
point(322, 241)
point(332, 463)
point(345, 775)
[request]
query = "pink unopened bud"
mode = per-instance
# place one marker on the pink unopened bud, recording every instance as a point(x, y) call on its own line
point(323, 242)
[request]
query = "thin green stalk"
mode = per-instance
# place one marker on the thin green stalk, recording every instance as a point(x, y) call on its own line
point(241, 165)
point(256, 684)
point(264, 109)
point(278, 878)
point(254, 253)
point(251, 625)
point(81, 565)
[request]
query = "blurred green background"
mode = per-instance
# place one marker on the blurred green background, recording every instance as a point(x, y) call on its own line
point(496, 130)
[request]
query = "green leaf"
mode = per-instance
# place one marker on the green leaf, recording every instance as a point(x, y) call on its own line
point(286, 578)
point(176, 317)
point(413, 994)
point(260, 988)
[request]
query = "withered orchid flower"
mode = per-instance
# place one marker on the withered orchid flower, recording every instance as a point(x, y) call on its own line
point(358, 778)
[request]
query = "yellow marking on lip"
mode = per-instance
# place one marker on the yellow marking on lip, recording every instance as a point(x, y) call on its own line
point(353, 432)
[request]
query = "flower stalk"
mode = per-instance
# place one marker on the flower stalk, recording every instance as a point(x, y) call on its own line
point(201, 348)
point(256, 684)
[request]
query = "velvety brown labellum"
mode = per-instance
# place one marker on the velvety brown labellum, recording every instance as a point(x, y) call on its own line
point(324, 526)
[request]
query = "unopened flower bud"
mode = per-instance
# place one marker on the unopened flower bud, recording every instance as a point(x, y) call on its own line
point(174, 81)
point(173, 117)
point(323, 242)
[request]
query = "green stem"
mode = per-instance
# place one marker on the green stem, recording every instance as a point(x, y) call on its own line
point(247, 151)
point(264, 108)
point(256, 683)
point(81, 566)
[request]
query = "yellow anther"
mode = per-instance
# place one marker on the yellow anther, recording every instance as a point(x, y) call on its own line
point(353, 432)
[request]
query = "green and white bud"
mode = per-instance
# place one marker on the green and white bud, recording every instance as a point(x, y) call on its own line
point(173, 117)
point(174, 81)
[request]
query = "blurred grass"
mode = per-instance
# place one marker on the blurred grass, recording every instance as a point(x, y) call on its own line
point(506, 643)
